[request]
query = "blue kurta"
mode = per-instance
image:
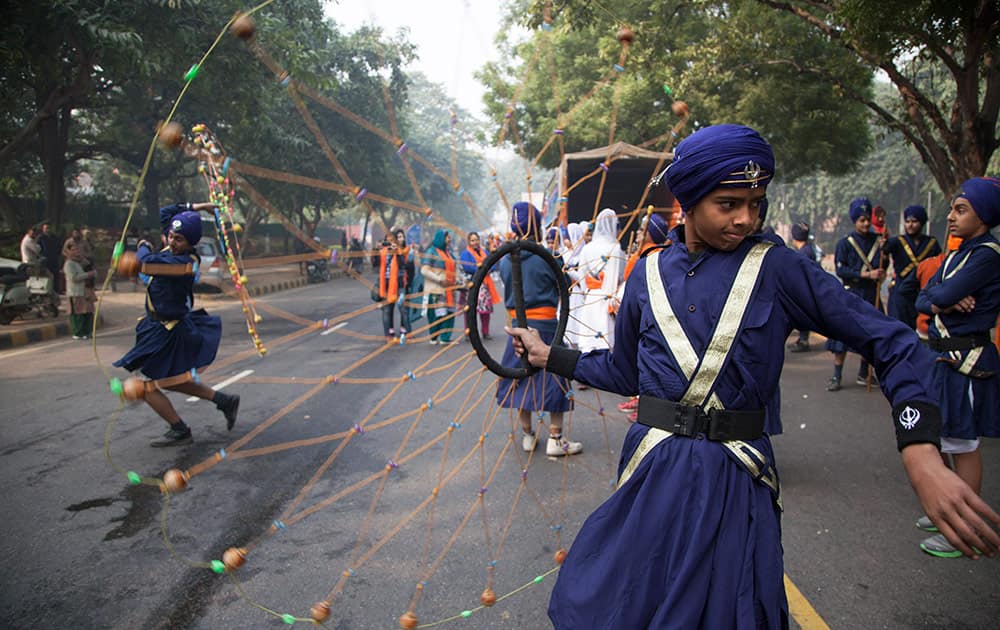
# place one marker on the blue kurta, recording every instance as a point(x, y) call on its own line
point(541, 391)
point(171, 339)
point(969, 406)
point(903, 295)
point(690, 540)
point(849, 266)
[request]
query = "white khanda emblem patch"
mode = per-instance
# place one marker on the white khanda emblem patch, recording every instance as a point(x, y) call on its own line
point(909, 417)
point(176, 225)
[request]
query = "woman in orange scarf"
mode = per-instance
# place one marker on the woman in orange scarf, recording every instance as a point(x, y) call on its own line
point(472, 259)
point(438, 269)
point(394, 272)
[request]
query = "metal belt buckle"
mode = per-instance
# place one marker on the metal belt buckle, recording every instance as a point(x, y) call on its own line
point(686, 419)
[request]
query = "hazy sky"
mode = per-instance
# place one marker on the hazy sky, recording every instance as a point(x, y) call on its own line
point(454, 37)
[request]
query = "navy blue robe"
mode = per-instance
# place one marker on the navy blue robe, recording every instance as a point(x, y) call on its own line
point(691, 540)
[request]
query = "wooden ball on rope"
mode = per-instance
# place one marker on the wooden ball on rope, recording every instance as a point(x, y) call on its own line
point(625, 35)
point(408, 621)
point(559, 556)
point(133, 389)
point(171, 135)
point(680, 109)
point(243, 27)
point(488, 598)
point(127, 265)
point(174, 480)
point(234, 557)
point(320, 611)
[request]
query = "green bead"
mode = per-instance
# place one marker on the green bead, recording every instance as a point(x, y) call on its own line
point(134, 478)
point(116, 386)
point(289, 619)
point(667, 90)
point(218, 566)
point(466, 613)
point(192, 73)
point(539, 578)
point(119, 249)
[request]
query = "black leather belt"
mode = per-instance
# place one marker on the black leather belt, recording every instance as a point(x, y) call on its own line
point(689, 420)
point(159, 317)
point(968, 342)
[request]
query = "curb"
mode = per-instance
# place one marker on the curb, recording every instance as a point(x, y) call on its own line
point(48, 332)
point(34, 334)
point(256, 291)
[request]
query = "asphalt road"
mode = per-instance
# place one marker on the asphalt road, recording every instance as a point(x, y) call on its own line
point(83, 548)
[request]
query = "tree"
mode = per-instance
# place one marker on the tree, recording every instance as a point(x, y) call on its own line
point(52, 60)
point(703, 52)
point(955, 137)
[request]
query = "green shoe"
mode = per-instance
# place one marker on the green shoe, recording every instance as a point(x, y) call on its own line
point(938, 545)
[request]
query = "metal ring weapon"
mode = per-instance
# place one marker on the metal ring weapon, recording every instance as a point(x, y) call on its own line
point(513, 248)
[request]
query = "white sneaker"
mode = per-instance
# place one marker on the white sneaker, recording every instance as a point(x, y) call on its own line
point(528, 442)
point(562, 446)
point(434, 341)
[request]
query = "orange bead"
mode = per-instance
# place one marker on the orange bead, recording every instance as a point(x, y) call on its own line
point(171, 135)
point(128, 265)
point(559, 556)
point(488, 598)
point(175, 480)
point(243, 27)
point(320, 611)
point(408, 621)
point(680, 109)
point(625, 35)
point(234, 557)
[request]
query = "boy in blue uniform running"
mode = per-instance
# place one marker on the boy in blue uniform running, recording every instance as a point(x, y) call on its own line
point(172, 341)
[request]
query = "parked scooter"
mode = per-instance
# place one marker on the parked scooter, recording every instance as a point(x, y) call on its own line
point(24, 289)
point(317, 271)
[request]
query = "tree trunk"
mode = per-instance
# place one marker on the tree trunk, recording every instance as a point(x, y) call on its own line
point(150, 210)
point(53, 133)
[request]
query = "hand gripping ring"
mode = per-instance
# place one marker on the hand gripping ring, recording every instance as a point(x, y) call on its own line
point(513, 248)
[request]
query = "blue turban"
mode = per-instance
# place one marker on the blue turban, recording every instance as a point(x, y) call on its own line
point(721, 156)
point(915, 212)
point(525, 220)
point(551, 233)
point(800, 231)
point(187, 223)
point(657, 228)
point(860, 207)
point(984, 195)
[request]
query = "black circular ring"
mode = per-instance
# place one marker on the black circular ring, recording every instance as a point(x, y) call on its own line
point(473, 299)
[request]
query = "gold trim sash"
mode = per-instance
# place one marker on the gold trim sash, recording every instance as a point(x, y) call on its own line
point(702, 378)
point(866, 261)
point(914, 260)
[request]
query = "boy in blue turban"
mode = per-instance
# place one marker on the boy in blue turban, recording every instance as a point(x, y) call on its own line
point(543, 391)
point(691, 537)
point(964, 299)
point(858, 260)
point(173, 340)
point(907, 251)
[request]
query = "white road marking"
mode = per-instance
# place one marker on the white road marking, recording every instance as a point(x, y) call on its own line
point(228, 381)
point(333, 328)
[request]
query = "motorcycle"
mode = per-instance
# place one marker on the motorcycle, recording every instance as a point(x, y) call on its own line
point(24, 289)
point(317, 271)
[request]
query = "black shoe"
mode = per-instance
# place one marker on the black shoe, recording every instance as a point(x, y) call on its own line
point(229, 405)
point(833, 385)
point(799, 346)
point(173, 437)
